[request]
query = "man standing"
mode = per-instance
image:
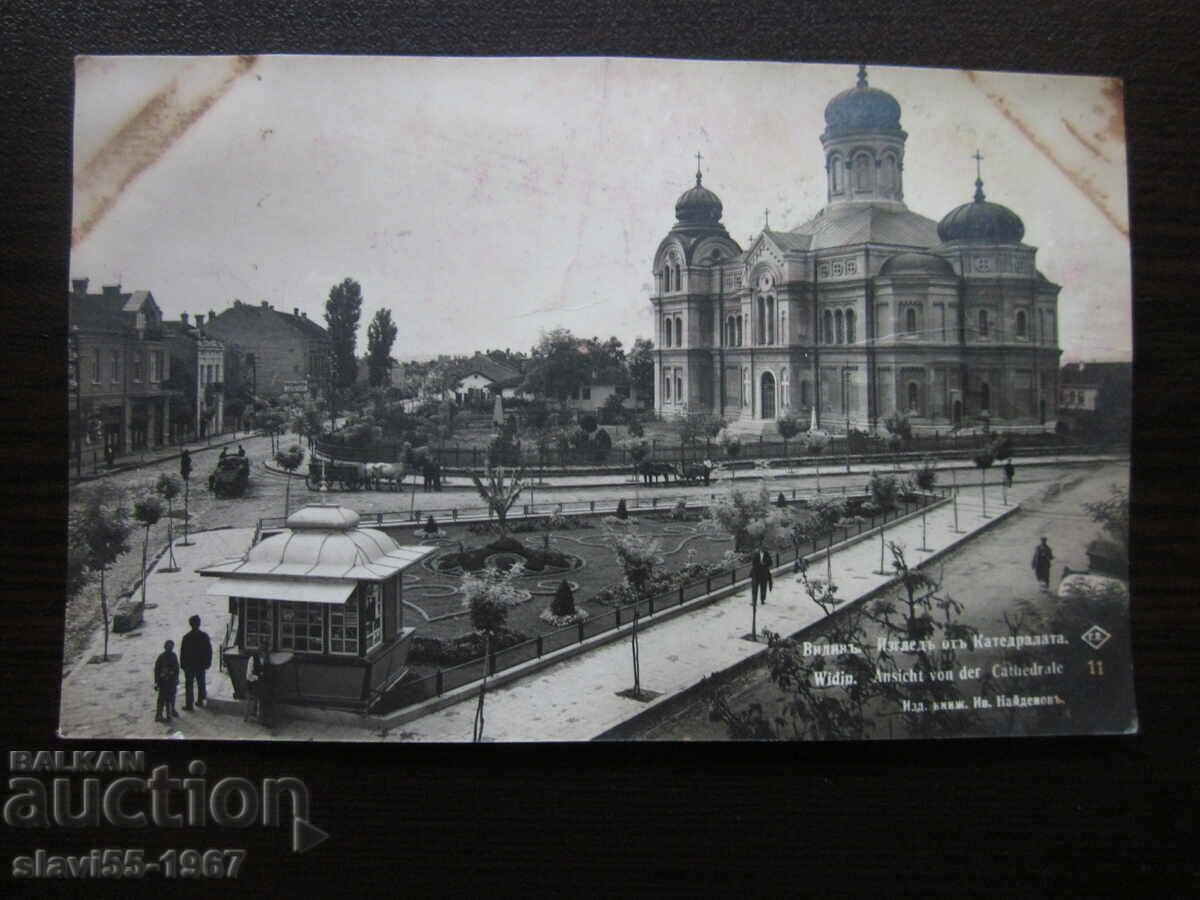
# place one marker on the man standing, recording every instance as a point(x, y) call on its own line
point(1042, 558)
point(166, 681)
point(760, 576)
point(195, 655)
point(1009, 471)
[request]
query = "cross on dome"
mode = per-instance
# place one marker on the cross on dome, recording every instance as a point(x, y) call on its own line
point(979, 195)
point(698, 158)
point(862, 75)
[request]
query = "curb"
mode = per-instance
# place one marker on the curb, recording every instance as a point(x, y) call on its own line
point(120, 468)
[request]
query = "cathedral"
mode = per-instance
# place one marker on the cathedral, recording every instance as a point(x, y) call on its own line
point(866, 311)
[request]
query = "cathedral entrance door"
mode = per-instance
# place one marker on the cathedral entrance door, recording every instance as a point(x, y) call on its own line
point(767, 394)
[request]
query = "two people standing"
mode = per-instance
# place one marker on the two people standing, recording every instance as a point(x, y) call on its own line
point(196, 652)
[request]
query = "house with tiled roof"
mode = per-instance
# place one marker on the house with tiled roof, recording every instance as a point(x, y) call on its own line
point(120, 401)
point(276, 353)
point(482, 378)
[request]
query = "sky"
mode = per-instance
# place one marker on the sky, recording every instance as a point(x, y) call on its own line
point(484, 201)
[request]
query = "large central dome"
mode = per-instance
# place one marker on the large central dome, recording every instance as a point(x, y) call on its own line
point(862, 110)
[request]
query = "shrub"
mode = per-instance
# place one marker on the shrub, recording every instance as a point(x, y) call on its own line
point(679, 510)
point(622, 511)
point(781, 501)
point(885, 490)
point(636, 429)
point(613, 410)
point(563, 603)
point(925, 475)
point(431, 525)
point(588, 423)
point(602, 443)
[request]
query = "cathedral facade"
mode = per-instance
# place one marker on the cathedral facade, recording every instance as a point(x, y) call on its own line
point(865, 311)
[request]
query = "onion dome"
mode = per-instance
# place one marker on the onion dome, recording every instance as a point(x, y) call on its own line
point(862, 110)
point(698, 205)
point(981, 221)
point(917, 264)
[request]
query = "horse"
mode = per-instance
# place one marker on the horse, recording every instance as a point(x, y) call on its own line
point(650, 471)
point(696, 472)
point(391, 473)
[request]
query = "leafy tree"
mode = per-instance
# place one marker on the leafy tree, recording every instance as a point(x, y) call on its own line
point(983, 461)
point(622, 510)
point(342, 312)
point(613, 409)
point(636, 429)
point(168, 488)
point(146, 512)
point(788, 427)
point(381, 335)
point(290, 461)
point(641, 369)
point(499, 489)
point(558, 366)
point(309, 422)
point(102, 534)
point(638, 555)
point(588, 423)
point(751, 519)
point(603, 443)
point(885, 490)
point(925, 475)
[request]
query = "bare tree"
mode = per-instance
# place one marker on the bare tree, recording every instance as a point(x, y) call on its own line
point(499, 488)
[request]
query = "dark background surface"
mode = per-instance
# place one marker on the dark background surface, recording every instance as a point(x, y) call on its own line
point(1078, 817)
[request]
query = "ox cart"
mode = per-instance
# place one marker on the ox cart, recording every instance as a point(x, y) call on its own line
point(354, 476)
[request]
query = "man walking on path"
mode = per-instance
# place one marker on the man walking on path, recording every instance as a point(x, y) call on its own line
point(1009, 471)
point(1042, 558)
point(195, 655)
point(760, 576)
point(166, 682)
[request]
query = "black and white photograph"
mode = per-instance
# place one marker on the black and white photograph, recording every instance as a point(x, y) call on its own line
point(547, 399)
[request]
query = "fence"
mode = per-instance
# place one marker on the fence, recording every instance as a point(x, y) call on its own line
point(443, 680)
point(416, 515)
point(839, 450)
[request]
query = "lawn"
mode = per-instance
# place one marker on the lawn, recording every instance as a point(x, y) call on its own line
point(434, 600)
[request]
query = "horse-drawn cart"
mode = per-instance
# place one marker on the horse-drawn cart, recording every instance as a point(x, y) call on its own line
point(349, 476)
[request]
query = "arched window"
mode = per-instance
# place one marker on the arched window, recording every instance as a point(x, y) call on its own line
point(913, 395)
point(835, 174)
point(678, 279)
point(784, 337)
point(666, 333)
point(785, 389)
point(827, 320)
point(1021, 323)
point(804, 393)
point(678, 387)
point(678, 331)
point(839, 322)
point(985, 396)
point(849, 326)
point(760, 321)
point(983, 323)
point(738, 323)
point(667, 280)
point(770, 320)
point(887, 174)
point(667, 386)
point(862, 172)
point(910, 321)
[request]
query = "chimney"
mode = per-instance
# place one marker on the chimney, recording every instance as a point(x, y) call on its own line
point(79, 286)
point(199, 320)
point(111, 290)
point(211, 315)
point(183, 317)
point(264, 305)
point(296, 311)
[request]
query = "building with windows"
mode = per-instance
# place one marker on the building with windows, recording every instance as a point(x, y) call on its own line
point(198, 371)
point(864, 311)
point(277, 353)
point(1096, 399)
point(122, 401)
point(325, 598)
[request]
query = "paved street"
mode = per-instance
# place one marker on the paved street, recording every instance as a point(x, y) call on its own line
point(573, 700)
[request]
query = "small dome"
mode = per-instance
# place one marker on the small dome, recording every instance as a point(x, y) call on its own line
point(982, 221)
point(862, 110)
point(698, 206)
point(917, 264)
point(336, 518)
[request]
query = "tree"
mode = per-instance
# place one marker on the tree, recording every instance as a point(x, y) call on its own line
point(499, 488)
point(563, 603)
point(168, 488)
point(925, 475)
point(640, 362)
point(983, 461)
point(102, 532)
point(342, 312)
point(147, 512)
point(309, 422)
point(788, 427)
point(381, 335)
point(751, 519)
point(290, 461)
point(558, 366)
point(638, 556)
